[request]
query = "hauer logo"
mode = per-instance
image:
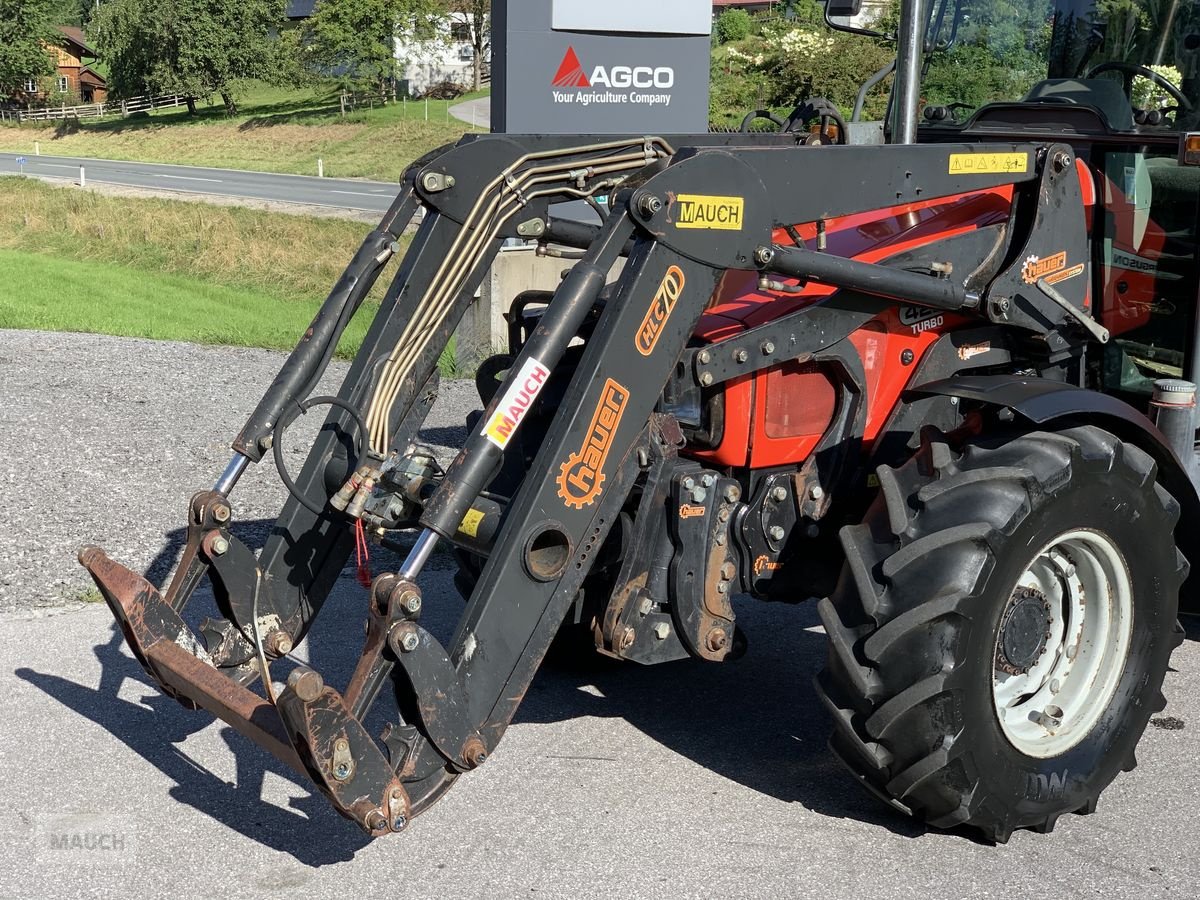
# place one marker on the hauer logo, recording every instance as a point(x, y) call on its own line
point(571, 74)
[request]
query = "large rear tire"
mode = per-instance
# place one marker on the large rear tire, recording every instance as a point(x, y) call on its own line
point(1001, 630)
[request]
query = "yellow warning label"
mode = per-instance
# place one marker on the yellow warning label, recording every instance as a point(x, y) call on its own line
point(988, 163)
point(470, 523)
point(714, 213)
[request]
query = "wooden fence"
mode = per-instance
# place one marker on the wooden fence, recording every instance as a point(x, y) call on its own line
point(91, 110)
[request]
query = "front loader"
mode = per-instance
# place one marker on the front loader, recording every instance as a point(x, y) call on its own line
point(774, 366)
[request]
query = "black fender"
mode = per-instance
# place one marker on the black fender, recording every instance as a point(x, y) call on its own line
point(1045, 402)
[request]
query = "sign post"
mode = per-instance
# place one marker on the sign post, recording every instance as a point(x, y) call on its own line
point(617, 67)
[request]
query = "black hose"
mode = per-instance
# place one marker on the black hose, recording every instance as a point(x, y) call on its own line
point(287, 418)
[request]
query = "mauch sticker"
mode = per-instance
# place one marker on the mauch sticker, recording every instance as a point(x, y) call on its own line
point(968, 351)
point(687, 511)
point(656, 317)
point(713, 213)
point(515, 403)
point(581, 477)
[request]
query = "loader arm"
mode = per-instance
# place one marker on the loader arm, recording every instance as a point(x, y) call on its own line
point(685, 210)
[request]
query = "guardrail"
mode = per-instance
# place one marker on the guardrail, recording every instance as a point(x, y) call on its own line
point(92, 110)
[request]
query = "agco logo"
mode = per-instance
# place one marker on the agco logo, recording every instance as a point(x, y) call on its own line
point(660, 310)
point(581, 477)
point(571, 74)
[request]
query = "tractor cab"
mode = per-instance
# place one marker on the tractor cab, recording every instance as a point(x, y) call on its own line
point(1119, 82)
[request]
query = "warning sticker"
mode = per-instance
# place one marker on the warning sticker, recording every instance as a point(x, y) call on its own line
point(470, 523)
point(988, 163)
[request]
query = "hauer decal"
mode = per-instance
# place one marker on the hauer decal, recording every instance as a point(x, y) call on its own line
point(634, 85)
point(581, 477)
point(515, 403)
point(714, 213)
point(664, 300)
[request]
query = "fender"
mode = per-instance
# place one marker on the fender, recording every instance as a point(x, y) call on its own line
point(1045, 402)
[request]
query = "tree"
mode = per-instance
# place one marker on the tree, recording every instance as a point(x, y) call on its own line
point(733, 25)
point(189, 47)
point(475, 15)
point(26, 32)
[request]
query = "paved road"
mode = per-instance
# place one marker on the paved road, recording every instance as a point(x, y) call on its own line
point(684, 780)
point(368, 196)
point(478, 112)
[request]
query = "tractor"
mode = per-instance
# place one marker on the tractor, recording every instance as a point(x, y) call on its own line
point(935, 374)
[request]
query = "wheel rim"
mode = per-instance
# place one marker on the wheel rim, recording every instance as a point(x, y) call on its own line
point(1062, 644)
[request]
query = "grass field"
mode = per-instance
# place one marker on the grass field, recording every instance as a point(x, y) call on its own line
point(276, 130)
point(77, 261)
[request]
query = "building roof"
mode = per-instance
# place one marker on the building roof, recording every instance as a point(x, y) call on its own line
point(74, 34)
point(92, 77)
point(301, 9)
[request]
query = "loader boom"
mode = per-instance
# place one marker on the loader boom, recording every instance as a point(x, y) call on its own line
point(685, 211)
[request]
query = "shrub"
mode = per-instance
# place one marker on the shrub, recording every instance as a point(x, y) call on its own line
point(733, 25)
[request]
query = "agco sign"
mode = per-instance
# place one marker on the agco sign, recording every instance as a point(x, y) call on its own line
point(638, 83)
point(571, 74)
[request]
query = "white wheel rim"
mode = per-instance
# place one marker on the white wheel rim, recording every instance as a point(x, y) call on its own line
point(1048, 705)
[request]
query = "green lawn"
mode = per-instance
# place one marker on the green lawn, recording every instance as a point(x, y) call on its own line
point(54, 294)
point(276, 130)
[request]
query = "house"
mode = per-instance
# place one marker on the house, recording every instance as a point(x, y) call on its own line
point(73, 79)
point(448, 56)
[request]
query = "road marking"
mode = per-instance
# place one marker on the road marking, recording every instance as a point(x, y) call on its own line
point(361, 193)
point(185, 177)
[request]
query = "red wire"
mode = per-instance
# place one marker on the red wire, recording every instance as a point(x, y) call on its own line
point(362, 554)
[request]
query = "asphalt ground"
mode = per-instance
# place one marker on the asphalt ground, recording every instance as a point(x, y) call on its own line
point(683, 780)
point(336, 193)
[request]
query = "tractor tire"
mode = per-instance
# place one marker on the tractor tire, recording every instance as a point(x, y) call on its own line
point(953, 639)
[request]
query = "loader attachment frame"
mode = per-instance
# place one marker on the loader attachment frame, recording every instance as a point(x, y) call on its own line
point(684, 210)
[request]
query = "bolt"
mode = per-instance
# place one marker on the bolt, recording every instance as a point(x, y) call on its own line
point(708, 480)
point(220, 512)
point(1061, 160)
point(688, 483)
point(645, 606)
point(376, 821)
point(741, 356)
point(307, 684)
point(733, 493)
point(728, 570)
point(475, 753)
point(341, 771)
point(265, 442)
point(627, 637)
point(704, 356)
point(722, 587)
point(219, 546)
point(411, 601)
point(776, 533)
point(906, 358)
point(767, 348)
point(280, 643)
point(649, 205)
point(399, 823)
point(817, 492)
point(341, 745)
point(1055, 685)
point(779, 494)
point(716, 639)
point(723, 515)
point(764, 255)
point(706, 379)
point(720, 541)
point(661, 630)
point(1072, 650)
point(698, 494)
point(409, 641)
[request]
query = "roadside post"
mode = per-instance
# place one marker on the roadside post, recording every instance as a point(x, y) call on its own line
point(21, 165)
point(37, 148)
point(82, 179)
point(320, 167)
